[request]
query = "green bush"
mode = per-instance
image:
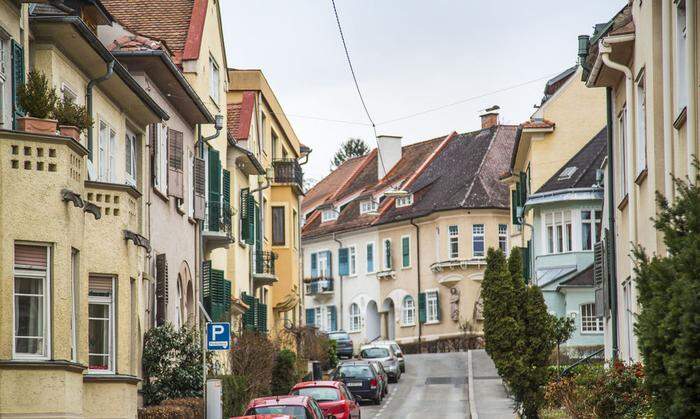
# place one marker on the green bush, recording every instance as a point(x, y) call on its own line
point(235, 397)
point(165, 412)
point(67, 112)
point(36, 97)
point(668, 324)
point(284, 374)
point(172, 364)
point(332, 349)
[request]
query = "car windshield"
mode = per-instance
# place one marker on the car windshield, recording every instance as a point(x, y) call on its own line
point(321, 394)
point(339, 336)
point(297, 412)
point(374, 353)
point(355, 371)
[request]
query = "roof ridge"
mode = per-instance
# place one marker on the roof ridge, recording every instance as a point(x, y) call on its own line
point(478, 169)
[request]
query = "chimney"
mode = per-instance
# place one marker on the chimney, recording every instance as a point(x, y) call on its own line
point(389, 149)
point(489, 117)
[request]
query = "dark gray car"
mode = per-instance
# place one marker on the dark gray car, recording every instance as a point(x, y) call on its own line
point(343, 343)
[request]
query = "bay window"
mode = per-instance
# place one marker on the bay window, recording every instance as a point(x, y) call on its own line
point(31, 301)
point(558, 231)
point(590, 228)
point(101, 324)
point(478, 240)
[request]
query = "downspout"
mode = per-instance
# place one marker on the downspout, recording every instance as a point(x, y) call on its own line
point(88, 99)
point(420, 326)
point(692, 118)
point(666, 40)
point(611, 222)
point(340, 282)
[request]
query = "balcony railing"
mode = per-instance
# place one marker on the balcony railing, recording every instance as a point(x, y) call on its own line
point(319, 286)
point(217, 220)
point(288, 171)
point(265, 263)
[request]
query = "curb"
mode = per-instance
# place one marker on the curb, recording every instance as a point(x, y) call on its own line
point(470, 375)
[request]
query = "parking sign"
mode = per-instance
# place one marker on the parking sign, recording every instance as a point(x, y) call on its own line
point(218, 336)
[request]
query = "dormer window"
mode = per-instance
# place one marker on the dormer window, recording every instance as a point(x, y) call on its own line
point(404, 201)
point(368, 206)
point(567, 173)
point(329, 215)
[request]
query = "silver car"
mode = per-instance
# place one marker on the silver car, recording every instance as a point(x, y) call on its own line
point(393, 346)
point(384, 355)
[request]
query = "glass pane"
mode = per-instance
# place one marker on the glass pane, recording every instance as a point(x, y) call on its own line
point(100, 311)
point(32, 346)
point(586, 215)
point(99, 362)
point(586, 236)
point(560, 238)
point(29, 316)
point(29, 285)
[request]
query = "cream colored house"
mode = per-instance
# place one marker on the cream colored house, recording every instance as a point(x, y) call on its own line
point(408, 267)
point(73, 236)
point(646, 58)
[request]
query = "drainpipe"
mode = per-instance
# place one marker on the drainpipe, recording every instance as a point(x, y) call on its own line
point(692, 118)
point(88, 99)
point(611, 222)
point(666, 40)
point(420, 326)
point(340, 283)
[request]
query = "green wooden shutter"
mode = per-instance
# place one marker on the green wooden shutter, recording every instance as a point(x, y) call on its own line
point(226, 198)
point(405, 252)
point(261, 317)
point(343, 262)
point(206, 284)
point(387, 255)
point(243, 214)
point(334, 318)
point(437, 306)
point(252, 219)
point(514, 206)
point(314, 265)
point(523, 188)
point(17, 81)
point(214, 201)
point(527, 255)
point(249, 315)
point(422, 316)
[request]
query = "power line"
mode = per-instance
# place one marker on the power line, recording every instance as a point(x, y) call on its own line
point(318, 118)
point(357, 85)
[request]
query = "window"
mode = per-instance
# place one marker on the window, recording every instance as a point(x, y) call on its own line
point(453, 241)
point(681, 57)
point(368, 206)
point(318, 317)
point(101, 324)
point(278, 227)
point(295, 228)
point(130, 153)
point(431, 300)
point(404, 201)
point(160, 138)
point(5, 81)
point(273, 148)
point(31, 305)
point(558, 231)
point(478, 240)
point(354, 317)
point(68, 92)
point(405, 251)
point(329, 318)
point(567, 173)
point(106, 153)
point(190, 185)
point(590, 322)
point(214, 80)
point(263, 131)
point(622, 128)
point(641, 137)
point(387, 254)
point(324, 264)
point(352, 260)
point(503, 237)
point(75, 291)
point(329, 215)
point(408, 311)
point(590, 228)
point(370, 257)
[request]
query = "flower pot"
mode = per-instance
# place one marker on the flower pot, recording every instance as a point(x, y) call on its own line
point(70, 131)
point(37, 125)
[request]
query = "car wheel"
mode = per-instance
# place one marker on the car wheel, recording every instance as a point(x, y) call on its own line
point(403, 369)
point(377, 400)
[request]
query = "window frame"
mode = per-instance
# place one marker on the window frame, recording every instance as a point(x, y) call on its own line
point(46, 306)
point(404, 201)
point(431, 306)
point(503, 238)
point(482, 236)
point(641, 124)
point(131, 165)
point(372, 252)
point(405, 238)
point(214, 82)
point(110, 303)
point(591, 323)
point(387, 255)
point(355, 317)
point(453, 239)
point(329, 215)
point(622, 146)
point(595, 229)
point(407, 311)
point(160, 181)
point(557, 225)
point(283, 241)
point(367, 206)
point(318, 317)
point(681, 57)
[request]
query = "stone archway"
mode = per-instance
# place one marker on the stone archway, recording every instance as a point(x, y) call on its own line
point(389, 319)
point(372, 321)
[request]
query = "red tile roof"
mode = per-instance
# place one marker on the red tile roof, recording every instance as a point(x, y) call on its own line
point(331, 183)
point(240, 116)
point(177, 23)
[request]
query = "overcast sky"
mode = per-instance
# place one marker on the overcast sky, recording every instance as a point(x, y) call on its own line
point(409, 56)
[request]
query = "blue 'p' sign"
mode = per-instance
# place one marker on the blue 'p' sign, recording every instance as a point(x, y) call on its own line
point(218, 336)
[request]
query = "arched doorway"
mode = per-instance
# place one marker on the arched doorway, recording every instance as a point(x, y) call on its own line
point(389, 319)
point(372, 330)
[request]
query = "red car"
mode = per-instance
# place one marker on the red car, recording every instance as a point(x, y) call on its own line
point(332, 396)
point(296, 407)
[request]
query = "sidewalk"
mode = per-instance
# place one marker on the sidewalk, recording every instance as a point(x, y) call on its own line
point(487, 396)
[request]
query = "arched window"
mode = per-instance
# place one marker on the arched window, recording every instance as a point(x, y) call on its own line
point(408, 311)
point(354, 317)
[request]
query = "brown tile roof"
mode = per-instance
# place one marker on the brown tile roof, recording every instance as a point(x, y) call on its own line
point(583, 278)
point(330, 184)
point(240, 116)
point(165, 20)
point(538, 123)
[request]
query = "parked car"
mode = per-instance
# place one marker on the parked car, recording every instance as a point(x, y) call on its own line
point(333, 397)
point(361, 378)
point(382, 374)
point(385, 356)
point(264, 417)
point(343, 342)
point(297, 407)
point(398, 352)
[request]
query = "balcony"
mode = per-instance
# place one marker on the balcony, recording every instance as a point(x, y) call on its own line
point(264, 263)
point(319, 286)
point(218, 230)
point(457, 264)
point(288, 171)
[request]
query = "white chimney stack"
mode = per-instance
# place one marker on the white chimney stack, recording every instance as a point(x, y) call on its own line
point(489, 117)
point(389, 149)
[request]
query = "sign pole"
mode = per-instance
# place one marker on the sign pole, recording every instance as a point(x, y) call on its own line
point(204, 356)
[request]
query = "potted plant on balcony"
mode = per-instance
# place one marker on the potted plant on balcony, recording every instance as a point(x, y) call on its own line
point(73, 118)
point(37, 99)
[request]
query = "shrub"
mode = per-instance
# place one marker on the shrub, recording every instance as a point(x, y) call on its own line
point(36, 97)
point(563, 328)
point(331, 347)
point(445, 344)
point(193, 404)
point(68, 112)
point(172, 364)
point(234, 395)
point(165, 412)
point(253, 358)
point(669, 297)
point(284, 374)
